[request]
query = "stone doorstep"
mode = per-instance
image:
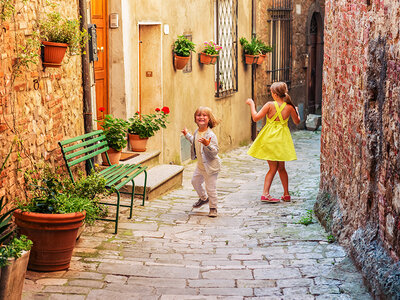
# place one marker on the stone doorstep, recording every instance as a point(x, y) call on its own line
point(160, 179)
point(148, 158)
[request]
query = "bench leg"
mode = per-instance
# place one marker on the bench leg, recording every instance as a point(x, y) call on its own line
point(132, 197)
point(144, 186)
point(117, 213)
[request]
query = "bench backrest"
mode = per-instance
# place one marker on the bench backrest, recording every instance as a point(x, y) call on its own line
point(83, 148)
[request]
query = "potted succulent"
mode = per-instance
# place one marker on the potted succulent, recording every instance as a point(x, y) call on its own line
point(210, 53)
point(264, 49)
point(182, 50)
point(115, 132)
point(141, 127)
point(58, 33)
point(251, 50)
point(55, 210)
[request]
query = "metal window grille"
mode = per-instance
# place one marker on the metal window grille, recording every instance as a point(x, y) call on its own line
point(226, 74)
point(280, 19)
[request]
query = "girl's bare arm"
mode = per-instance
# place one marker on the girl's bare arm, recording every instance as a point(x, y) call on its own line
point(294, 113)
point(257, 116)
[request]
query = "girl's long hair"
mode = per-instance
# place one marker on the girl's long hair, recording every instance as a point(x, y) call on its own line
point(281, 89)
point(213, 121)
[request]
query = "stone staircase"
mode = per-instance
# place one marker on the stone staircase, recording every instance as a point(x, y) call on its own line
point(161, 178)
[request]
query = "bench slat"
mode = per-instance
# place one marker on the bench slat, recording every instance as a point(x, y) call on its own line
point(62, 143)
point(83, 158)
point(102, 145)
point(84, 143)
point(120, 174)
point(122, 183)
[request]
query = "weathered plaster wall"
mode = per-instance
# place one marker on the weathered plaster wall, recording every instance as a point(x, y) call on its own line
point(182, 92)
point(38, 114)
point(359, 197)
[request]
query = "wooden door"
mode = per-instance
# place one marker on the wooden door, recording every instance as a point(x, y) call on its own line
point(99, 14)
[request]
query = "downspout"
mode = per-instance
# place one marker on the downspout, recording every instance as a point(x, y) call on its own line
point(87, 95)
point(253, 68)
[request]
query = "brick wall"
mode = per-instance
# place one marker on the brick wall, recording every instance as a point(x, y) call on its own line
point(38, 107)
point(360, 161)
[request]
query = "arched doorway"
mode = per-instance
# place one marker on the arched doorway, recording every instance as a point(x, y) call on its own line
point(315, 61)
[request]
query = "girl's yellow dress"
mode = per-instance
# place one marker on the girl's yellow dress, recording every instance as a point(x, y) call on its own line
point(274, 142)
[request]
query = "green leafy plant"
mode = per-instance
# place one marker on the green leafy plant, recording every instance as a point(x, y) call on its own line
point(115, 131)
point(331, 238)
point(58, 29)
point(251, 48)
point(307, 219)
point(14, 249)
point(263, 48)
point(53, 193)
point(211, 48)
point(183, 46)
point(147, 125)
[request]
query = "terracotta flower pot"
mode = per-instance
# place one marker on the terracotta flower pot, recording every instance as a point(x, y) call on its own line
point(113, 155)
point(53, 237)
point(260, 59)
point(180, 61)
point(250, 59)
point(53, 53)
point(137, 144)
point(12, 277)
point(207, 58)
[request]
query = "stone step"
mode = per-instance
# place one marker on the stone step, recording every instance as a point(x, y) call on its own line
point(160, 179)
point(148, 158)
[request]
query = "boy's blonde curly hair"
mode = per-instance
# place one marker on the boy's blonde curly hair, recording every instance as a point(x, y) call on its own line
point(213, 121)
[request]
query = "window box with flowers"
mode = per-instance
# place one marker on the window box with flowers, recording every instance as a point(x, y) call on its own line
point(115, 132)
point(141, 127)
point(210, 53)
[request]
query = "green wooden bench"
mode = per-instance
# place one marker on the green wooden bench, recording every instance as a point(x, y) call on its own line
point(83, 148)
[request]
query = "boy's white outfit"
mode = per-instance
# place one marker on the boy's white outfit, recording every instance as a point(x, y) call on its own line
point(208, 165)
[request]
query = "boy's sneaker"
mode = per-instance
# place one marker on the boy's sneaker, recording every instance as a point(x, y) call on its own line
point(212, 213)
point(200, 203)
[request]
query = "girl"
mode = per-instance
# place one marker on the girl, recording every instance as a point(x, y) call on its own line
point(205, 149)
point(274, 142)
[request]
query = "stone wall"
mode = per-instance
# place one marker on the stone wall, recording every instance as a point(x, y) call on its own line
point(38, 107)
point(359, 197)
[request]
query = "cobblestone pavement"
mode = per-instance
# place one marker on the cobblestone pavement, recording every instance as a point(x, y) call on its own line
point(251, 250)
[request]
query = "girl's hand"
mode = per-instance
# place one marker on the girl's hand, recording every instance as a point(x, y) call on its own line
point(249, 101)
point(184, 131)
point(204, 141)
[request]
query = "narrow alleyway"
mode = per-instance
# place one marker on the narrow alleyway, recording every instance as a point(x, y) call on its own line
point(251, 250)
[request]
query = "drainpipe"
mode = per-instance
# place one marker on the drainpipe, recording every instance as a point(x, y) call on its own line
point(87, 95)
point(253, 68)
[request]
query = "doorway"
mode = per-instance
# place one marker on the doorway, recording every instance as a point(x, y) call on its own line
point(150, 74)
point(99, 16)
point(315, 63)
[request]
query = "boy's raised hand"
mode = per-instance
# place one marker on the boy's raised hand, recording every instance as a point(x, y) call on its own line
point(184, 131)
point(204, 141)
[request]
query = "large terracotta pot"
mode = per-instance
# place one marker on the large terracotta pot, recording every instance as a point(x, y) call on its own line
point(180, 61)
point(207, 58)
point(53, 237)
point(12, 277)
point(137, 144)
point(113, 155)
point(53, 53)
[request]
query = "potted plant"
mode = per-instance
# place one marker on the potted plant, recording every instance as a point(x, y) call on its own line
point(141, 127)
point(54, 212)
point(115, 132)
point(264, 49)
point(210, 53)
point(58, 33)
point(14, 253)
point(251, 50)
point(182, 49)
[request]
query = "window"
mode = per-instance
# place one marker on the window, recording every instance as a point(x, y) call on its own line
point(280, 27)
point(226, 75)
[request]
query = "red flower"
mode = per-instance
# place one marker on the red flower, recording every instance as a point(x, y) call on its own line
point(138, 112)
point(102, 109)
point(165, 110)
point(157, 109)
